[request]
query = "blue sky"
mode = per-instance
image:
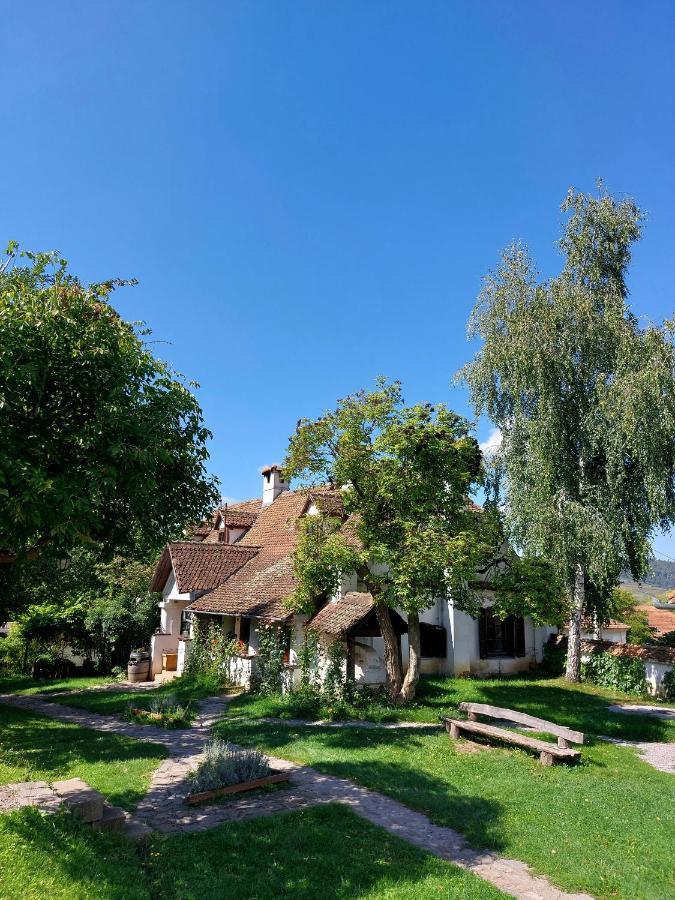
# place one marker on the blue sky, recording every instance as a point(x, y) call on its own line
point(310, 192)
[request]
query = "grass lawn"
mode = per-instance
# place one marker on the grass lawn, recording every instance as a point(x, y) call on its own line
point(35, 748)
point(116, 702)
point(605, 826)
point(325, 853)
point(582, 707)
point(23, 684)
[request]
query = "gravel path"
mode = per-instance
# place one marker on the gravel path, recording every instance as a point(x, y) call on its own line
point(659, 712)
point(163, 808)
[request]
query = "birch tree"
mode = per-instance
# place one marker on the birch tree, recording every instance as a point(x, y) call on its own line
point(584, 396)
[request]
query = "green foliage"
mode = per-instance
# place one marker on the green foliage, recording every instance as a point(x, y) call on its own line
point(530, 587)
point(413, 535)
point(623, 673)
point(335, 676)
point(224, 765)
point(622, 607)
point(100, 440)
point(666, 640)
point(210, 652)
point(99, 608)
point(165, 711)
point(308, 659)
point(553, 659)
point(585, 400)
point(668, 686)
point(268, 670)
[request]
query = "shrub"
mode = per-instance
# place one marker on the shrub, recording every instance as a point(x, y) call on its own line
point(623, 673)
point(224, 765)
point(210, 652)
point(553, 661)
point(669, 684)
point(267, 675)
point(165, 712)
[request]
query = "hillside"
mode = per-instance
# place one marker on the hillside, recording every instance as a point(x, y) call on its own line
point(657, 582)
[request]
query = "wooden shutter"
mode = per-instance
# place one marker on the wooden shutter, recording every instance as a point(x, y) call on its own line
point(519, 636)
point(482, 634)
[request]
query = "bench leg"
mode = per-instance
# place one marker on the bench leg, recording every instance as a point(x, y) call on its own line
point(546, 759)
point(454, 731)
point(563, 743)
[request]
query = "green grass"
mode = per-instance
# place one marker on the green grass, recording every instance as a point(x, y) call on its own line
point(604, 826)
point(323, 853)
point(35, 748)
point(116, 702)
point(582, 707)
point(23, 684)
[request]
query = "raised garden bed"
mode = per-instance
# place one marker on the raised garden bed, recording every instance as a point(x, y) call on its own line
point(274, 778)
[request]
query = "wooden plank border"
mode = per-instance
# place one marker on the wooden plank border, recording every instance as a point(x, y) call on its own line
point(275, 778)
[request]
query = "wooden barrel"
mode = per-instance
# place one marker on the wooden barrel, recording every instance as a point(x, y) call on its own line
point(139, 671)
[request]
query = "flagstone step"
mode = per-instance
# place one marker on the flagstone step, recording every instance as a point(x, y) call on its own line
point(82, 800)
point(112, 819)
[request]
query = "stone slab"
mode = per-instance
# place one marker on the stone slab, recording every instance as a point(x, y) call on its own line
point(82, 800)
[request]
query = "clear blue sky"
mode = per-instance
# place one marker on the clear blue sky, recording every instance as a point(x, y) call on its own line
point(310, 192)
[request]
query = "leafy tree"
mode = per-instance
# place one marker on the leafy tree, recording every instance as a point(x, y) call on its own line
point(412, 534)
point(100, 440)
point(99, 608)
point(623, 607)
point(585, 400)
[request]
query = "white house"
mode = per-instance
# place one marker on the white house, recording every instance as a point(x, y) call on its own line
point(238, 569)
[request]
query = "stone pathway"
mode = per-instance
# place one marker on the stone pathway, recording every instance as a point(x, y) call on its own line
point(28, 793)
point(659, 712)
point(659, 755)
point(163, 808)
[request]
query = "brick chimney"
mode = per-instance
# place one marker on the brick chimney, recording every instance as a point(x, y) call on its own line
point(273, 484)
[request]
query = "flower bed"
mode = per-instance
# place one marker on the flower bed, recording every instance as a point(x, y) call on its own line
point(229, 770)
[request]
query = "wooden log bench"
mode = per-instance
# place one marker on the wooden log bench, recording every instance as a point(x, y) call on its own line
point(548, 753)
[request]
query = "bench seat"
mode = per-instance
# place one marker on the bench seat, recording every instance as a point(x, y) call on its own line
point(548, 753)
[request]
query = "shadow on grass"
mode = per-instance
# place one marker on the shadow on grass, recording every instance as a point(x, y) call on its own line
point(325, 852)
point(578, 708)
point(57, 855)
point(340, 752)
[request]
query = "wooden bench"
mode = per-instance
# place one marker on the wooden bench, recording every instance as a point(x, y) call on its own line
point(548, 753)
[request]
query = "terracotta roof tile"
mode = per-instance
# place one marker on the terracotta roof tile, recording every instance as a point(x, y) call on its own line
point(338, 617)
point(636, 651)
point(259, 589)
point(277, 524)
point(199, 566)
point(660, 619)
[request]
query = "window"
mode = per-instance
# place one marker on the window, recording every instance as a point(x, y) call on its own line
point(500, 638)
point(185, 619)
point(242, 629)
point(433, 640)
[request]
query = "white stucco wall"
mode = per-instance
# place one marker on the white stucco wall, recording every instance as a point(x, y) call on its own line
point(654, 675)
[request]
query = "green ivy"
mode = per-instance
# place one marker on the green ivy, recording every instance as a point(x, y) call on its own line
point(623, 673)
point(268, 671)
point(210, 651)
point(669, 685)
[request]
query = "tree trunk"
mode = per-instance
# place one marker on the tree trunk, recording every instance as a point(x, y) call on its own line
point(391, 658)
point(414, 659)
point(573, 671)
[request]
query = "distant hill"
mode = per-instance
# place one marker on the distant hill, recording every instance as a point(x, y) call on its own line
point(661, 575)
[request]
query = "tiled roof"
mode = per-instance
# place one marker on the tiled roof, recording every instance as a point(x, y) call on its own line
point(660, 619)
point(277, 524)
point(636, 651)
point(199, 566)
point(258, 589)
point(338, 617)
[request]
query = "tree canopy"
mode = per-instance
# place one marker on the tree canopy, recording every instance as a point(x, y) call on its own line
point(412, 535)
point(100, 440)
point(585, 398)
